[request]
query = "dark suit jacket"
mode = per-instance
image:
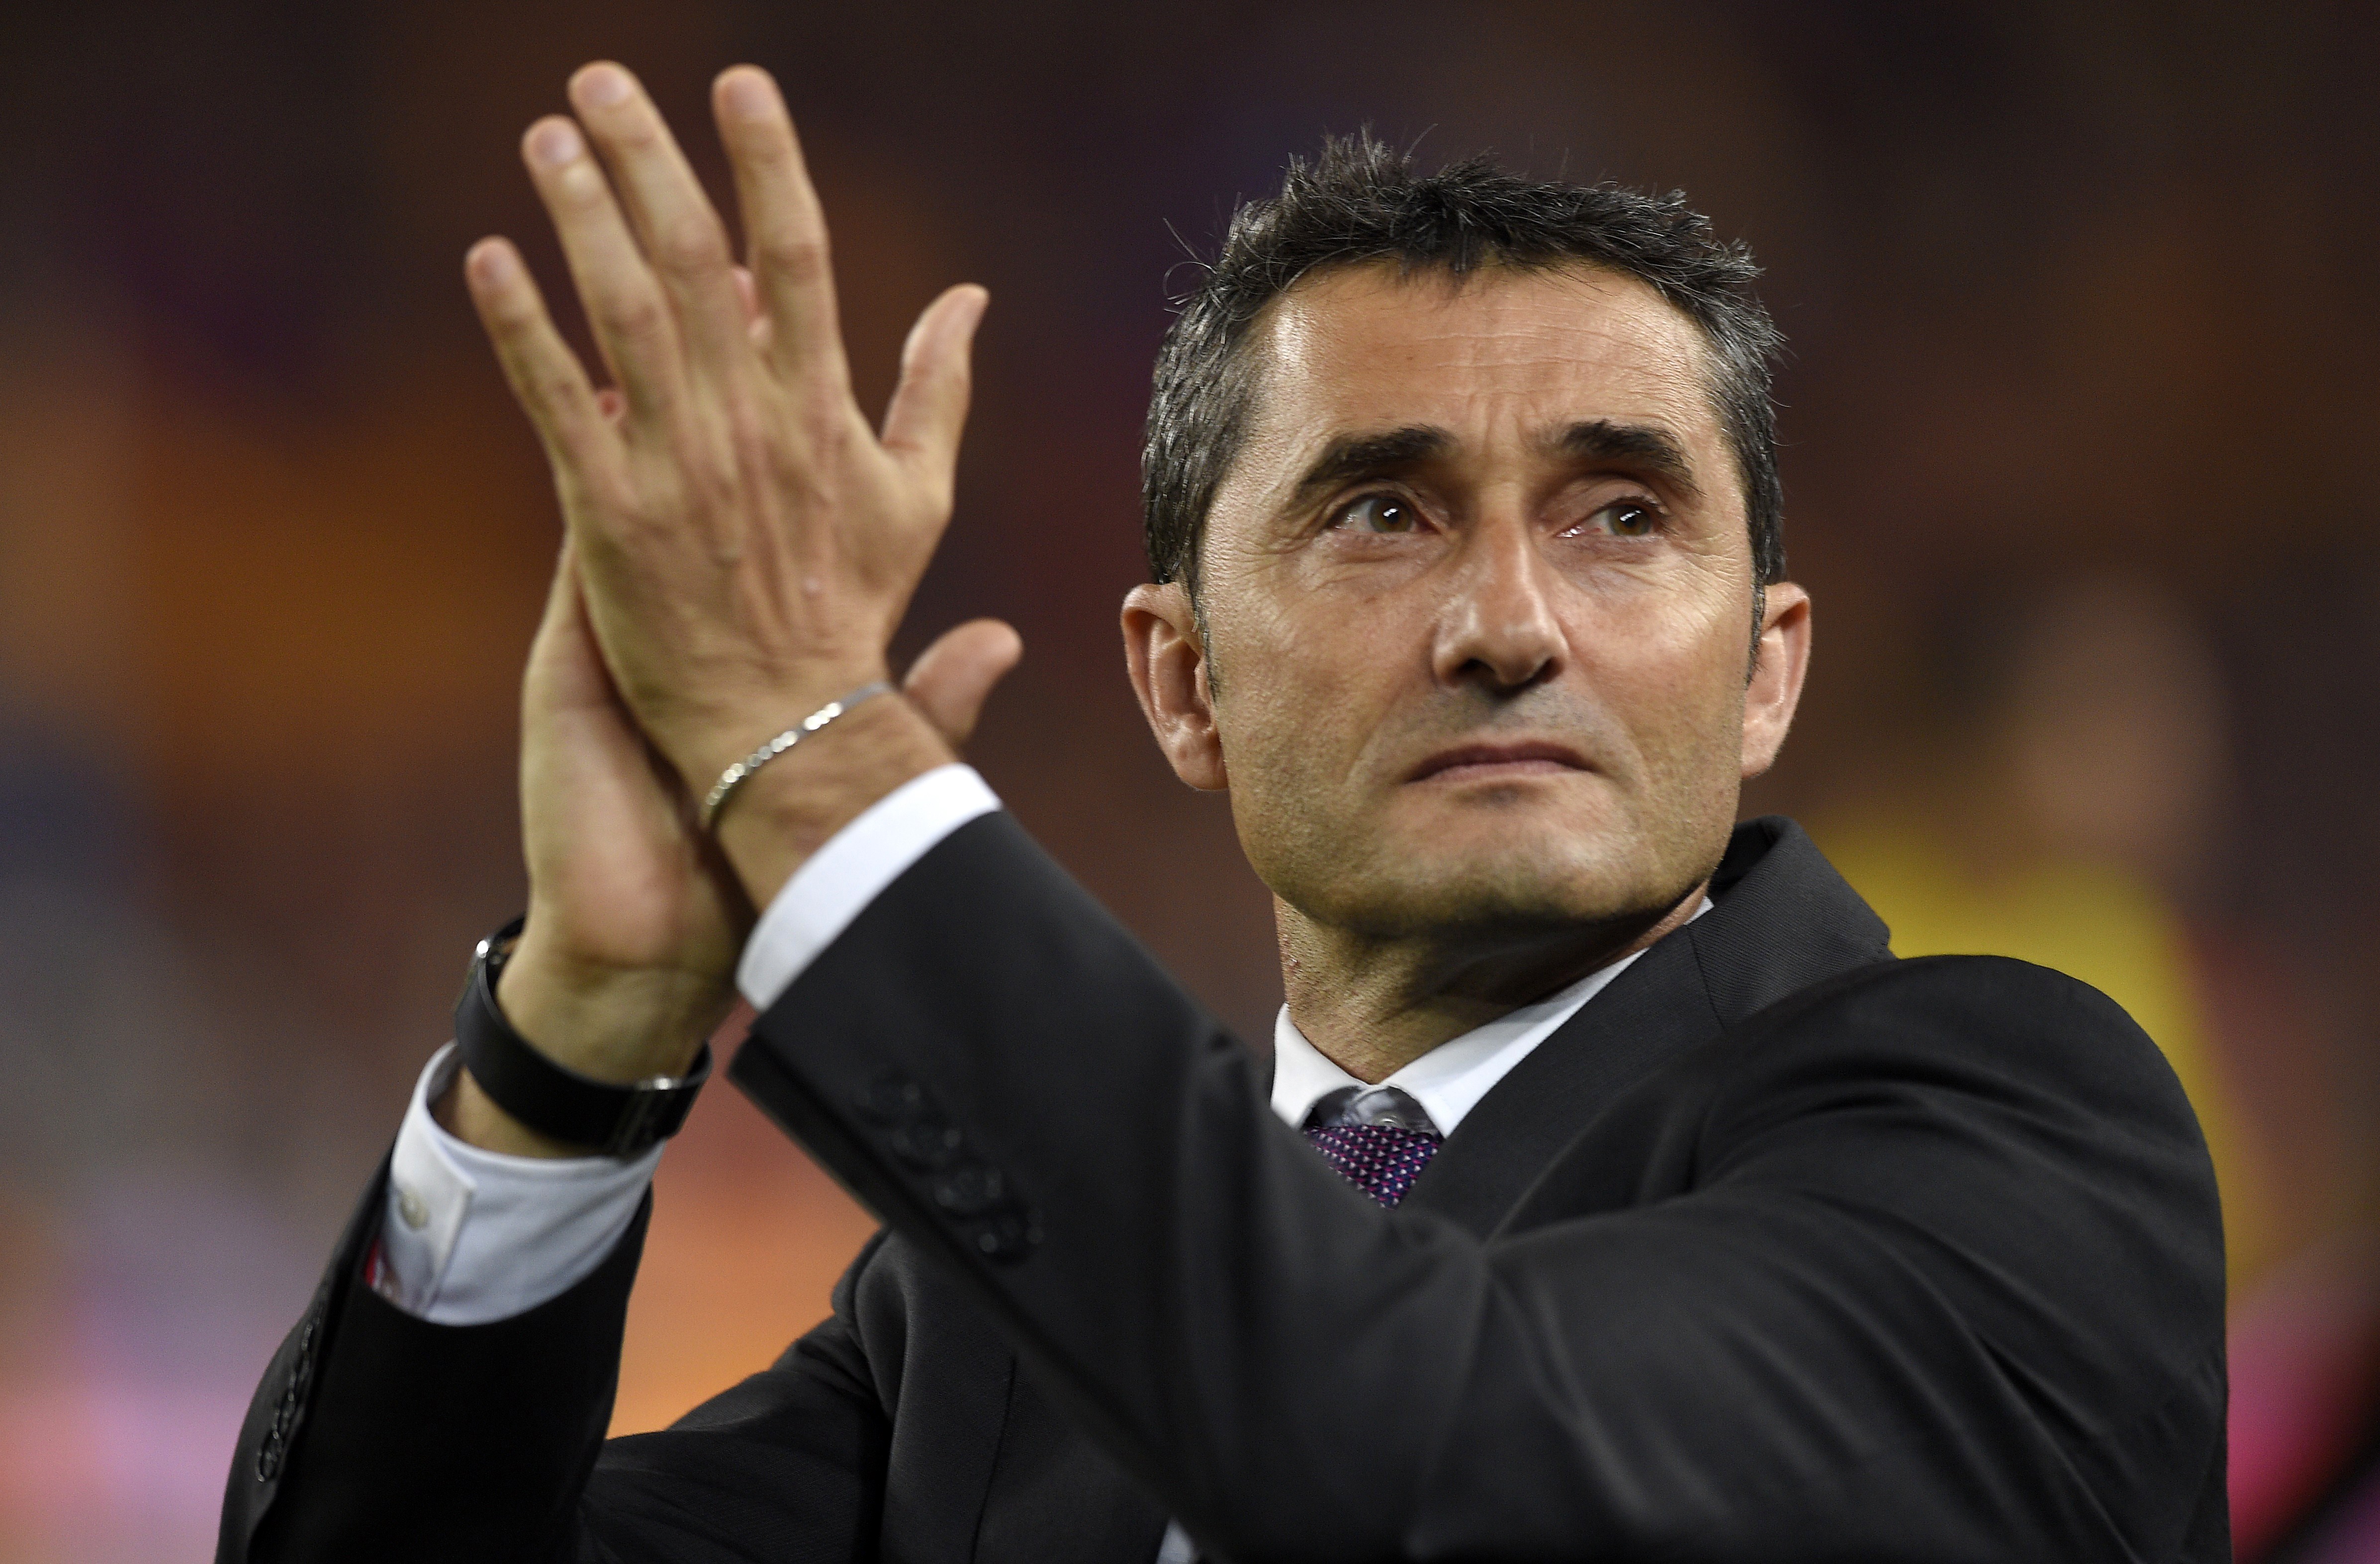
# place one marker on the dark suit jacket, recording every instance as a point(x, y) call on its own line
point(1779, 1250)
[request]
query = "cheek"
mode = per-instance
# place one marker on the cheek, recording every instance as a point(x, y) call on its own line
point(1673, 670)
point(1304, 677)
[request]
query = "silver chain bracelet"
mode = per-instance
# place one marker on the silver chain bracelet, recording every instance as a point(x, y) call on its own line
point(734, 776)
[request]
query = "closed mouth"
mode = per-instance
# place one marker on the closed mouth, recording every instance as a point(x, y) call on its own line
point(1485, 760)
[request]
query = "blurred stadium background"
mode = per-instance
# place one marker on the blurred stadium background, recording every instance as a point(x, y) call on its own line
point(2080, 420)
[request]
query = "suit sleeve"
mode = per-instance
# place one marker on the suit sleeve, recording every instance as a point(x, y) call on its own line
point(379, 1435)
point(1936, 1273)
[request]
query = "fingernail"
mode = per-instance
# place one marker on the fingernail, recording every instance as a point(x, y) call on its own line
point(555, 142)
point(604, 85)
point(492, 262)
point(747, 94)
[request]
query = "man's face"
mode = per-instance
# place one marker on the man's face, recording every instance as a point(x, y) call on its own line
point(1478, 595)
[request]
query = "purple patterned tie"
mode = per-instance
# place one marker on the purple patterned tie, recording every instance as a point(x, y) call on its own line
point(1378, 1138)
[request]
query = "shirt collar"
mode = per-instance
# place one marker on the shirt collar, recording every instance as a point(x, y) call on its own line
point(1450, 1079)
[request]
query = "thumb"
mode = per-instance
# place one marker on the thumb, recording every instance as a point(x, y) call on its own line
point(565, 666)
point(951, 679)
point(929, 405)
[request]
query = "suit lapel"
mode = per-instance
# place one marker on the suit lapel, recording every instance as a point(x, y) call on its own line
point(1781, 919)
point(1654, 1009)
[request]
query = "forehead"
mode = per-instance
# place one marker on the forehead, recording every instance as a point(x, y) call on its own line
point(1495, 351)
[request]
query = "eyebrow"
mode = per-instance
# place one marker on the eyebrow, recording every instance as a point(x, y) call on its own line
point(1647, 447)
point(1349, 457)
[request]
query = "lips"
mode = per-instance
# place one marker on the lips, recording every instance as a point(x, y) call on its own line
point(1485, 760)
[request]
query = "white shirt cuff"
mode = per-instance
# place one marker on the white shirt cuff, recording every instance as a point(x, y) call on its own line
point(839, 880)
point(473, 1236)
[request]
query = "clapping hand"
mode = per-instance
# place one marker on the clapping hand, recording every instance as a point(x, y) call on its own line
point(741, 546)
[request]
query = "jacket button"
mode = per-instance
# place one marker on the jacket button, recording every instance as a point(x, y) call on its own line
point(964, 1192)
point(1007, 1236)
point(892, 1098)
point(268, 1459)
point(929, 1144)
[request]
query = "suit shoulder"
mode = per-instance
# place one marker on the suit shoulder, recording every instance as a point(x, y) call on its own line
point(1990, 1021)
point(1968, 992)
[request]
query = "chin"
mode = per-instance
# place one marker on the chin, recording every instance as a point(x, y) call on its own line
point(1541, 890)
point(1514, 879)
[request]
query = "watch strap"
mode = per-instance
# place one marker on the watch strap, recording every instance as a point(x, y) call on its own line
point(554, 1099)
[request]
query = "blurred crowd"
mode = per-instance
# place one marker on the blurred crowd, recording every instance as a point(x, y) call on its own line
point(2075, 425)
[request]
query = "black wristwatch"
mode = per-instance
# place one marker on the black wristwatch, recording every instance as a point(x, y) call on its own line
point(552, 1098)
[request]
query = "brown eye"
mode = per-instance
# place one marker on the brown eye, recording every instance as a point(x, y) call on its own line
point(1625, 519)
point(1377, 512)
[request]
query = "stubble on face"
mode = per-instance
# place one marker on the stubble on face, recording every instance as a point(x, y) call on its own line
point(1594, 679)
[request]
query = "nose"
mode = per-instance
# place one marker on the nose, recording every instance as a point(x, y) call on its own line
point(1499, 627)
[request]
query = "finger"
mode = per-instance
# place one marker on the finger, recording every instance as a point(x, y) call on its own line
point(755, 318)
point(929, 405)
point(625, 304)
point(546, 377)
point(783, 225)
point(951, 679)
point(683, 237)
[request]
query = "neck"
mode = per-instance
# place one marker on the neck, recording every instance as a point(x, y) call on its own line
point(1373, 1003)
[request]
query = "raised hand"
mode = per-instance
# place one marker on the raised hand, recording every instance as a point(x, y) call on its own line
point(747, 543)
point(742, 545)
point(634, 917)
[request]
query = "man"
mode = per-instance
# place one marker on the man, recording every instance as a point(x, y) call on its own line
point(1658, 1213)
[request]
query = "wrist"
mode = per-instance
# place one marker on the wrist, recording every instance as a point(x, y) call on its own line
point(789, 809)
point(701, 751)
point(616, 1024)
point(593, 1032)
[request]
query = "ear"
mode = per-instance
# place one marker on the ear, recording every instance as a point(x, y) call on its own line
point(1168, 659)
point(1781, 660)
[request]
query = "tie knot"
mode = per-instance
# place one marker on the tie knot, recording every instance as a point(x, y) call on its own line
point(1368, 1105)
point(1377, 1137)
